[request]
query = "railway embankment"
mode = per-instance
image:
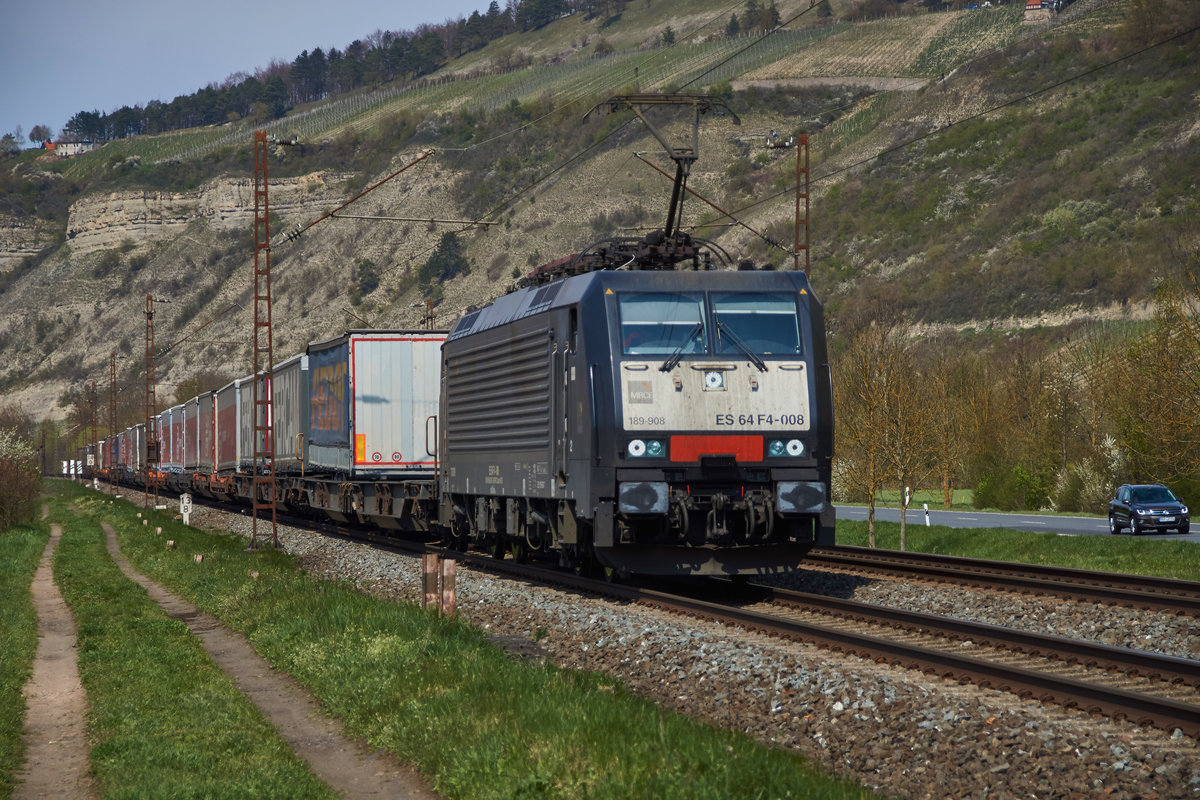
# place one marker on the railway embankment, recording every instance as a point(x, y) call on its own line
point(519, 687)
point(900, 732)
point(435, 693)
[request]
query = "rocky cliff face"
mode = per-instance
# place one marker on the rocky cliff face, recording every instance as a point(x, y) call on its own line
point(103, 222)
point(20, 238)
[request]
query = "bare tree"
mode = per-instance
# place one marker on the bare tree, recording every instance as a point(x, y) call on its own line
point(908, 423)
point(40, 133)
point(864, 372)
point(948, 422)
point(1159, 416)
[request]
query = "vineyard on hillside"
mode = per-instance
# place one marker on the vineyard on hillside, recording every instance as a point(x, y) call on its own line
point(918, 47)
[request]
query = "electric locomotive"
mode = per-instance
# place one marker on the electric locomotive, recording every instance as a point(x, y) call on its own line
point(642, 421)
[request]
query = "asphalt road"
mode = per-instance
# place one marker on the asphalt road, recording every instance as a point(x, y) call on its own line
point(1066, 526)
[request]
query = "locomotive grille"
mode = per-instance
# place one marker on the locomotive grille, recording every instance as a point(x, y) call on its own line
point(498, 395)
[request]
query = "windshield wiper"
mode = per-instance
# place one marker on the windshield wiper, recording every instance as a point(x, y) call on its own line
point(740, 345)
point(670, 363)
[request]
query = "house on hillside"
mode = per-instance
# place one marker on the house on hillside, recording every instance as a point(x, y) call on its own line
point(1037, 11)
point(68, 149)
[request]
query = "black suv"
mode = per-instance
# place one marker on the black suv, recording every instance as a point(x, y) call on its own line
point(1146, 507)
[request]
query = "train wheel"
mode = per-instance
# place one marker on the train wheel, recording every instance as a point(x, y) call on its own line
point(520, 552)
point(497, 549)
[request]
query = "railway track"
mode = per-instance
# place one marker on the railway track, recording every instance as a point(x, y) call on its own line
point(1145, 688)
point(1135, 591)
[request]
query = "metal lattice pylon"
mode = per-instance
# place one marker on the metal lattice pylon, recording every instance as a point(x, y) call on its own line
point(112, 421)
point(150, 463)
point(802, 177)
point(263, 485)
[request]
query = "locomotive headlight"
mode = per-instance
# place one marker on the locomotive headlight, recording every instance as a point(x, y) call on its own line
point(777, 448)
point(646, 448)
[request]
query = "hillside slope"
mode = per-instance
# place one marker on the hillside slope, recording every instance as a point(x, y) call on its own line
point(924, 201)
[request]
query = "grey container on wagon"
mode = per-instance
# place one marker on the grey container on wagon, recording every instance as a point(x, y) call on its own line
point(373, 403)
point(228, 433)
point(173, 438)
point(191, 434)
point(206, 444)
point(245, 413)
point(289, 409)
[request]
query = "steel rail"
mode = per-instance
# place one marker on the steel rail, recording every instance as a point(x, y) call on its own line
point(1156, 666)
point(1148, 592)
point(1143, 709)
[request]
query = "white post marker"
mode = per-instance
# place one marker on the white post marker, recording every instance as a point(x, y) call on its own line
point(926, 514)
point(185, 507)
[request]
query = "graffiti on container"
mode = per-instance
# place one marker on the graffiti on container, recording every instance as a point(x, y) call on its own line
point(329, 397)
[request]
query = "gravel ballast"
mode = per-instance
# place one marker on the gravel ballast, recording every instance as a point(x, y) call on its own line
point(899, 732)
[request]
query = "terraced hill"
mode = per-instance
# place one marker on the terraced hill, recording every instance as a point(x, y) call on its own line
point(924, 200)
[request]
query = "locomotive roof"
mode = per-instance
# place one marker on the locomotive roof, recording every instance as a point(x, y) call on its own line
point(569, 290)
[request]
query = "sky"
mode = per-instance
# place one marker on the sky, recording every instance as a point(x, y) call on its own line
point(57, 59)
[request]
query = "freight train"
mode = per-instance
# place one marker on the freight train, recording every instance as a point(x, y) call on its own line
point(641, 421)
point(644, 407)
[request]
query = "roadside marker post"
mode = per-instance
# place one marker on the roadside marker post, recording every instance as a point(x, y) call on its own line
point(437, 580)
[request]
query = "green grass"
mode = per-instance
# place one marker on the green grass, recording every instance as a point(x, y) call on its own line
point(163, 719)
point(959, 498)
point(1137, 556)
point(20, 551)
point(475, 722)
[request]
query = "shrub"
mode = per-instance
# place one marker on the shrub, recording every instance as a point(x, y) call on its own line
point(20, 483)
point(1012, 490)
point(446, 262)
point(1082, 487)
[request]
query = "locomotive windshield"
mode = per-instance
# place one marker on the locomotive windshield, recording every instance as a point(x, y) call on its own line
point(662, 323)
point(682, 323)
point(766, 323)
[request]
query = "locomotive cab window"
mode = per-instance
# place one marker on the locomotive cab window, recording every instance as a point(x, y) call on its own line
point(765, 324)
point(662, 323)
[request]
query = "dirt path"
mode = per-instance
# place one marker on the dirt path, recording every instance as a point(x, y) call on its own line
point(343, 764)
point(55, 733)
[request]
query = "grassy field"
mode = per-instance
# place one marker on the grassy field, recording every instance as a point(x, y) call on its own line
point(20, 551)
point(960, 498)
point(1135, 555)
point(163, 719)
point(474, 721)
